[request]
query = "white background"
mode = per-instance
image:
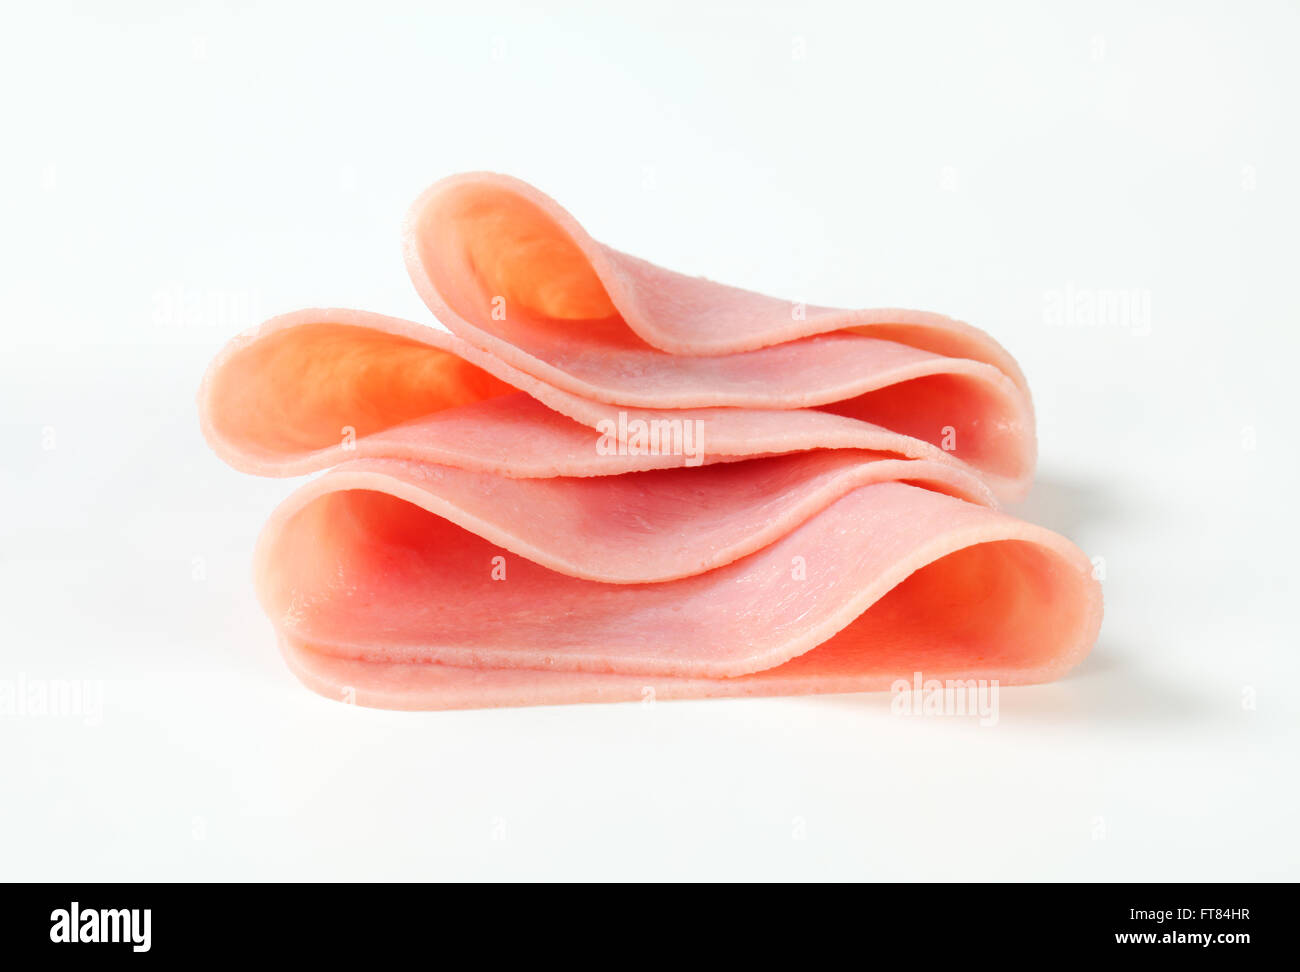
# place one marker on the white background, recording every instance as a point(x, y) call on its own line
point(171, 174)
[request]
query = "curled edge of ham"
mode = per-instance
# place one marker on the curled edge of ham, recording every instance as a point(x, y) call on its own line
point(674, 312)
point(308, 389)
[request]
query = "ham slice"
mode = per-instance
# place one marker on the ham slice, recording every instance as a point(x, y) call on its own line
point(611, 481)
point(508, 270)
point(316, 387)
point(383, 602)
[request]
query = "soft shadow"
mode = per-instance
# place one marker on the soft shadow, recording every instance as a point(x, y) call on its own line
point(1105, 691)
point(1065, 504)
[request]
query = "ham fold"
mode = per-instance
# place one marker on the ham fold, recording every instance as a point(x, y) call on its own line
point(610, 481)
point(508, 270)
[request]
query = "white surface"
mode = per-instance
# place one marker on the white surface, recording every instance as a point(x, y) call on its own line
point(171, 177)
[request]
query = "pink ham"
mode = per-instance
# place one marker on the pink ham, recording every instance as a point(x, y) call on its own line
point(277, 402)
point(382, 602)
point(508, 270)
point(488, 532)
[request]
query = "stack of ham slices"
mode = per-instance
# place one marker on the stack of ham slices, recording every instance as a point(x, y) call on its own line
point(610, 481)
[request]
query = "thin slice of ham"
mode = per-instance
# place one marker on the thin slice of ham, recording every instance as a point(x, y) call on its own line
point(381, 597)
point(635, 528)
point(315, 387)
point(506, 268)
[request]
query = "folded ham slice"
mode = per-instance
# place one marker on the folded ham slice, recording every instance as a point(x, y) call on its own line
point(611, 481)
point(508, 270)
point(316, 387)
point(382, 599)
